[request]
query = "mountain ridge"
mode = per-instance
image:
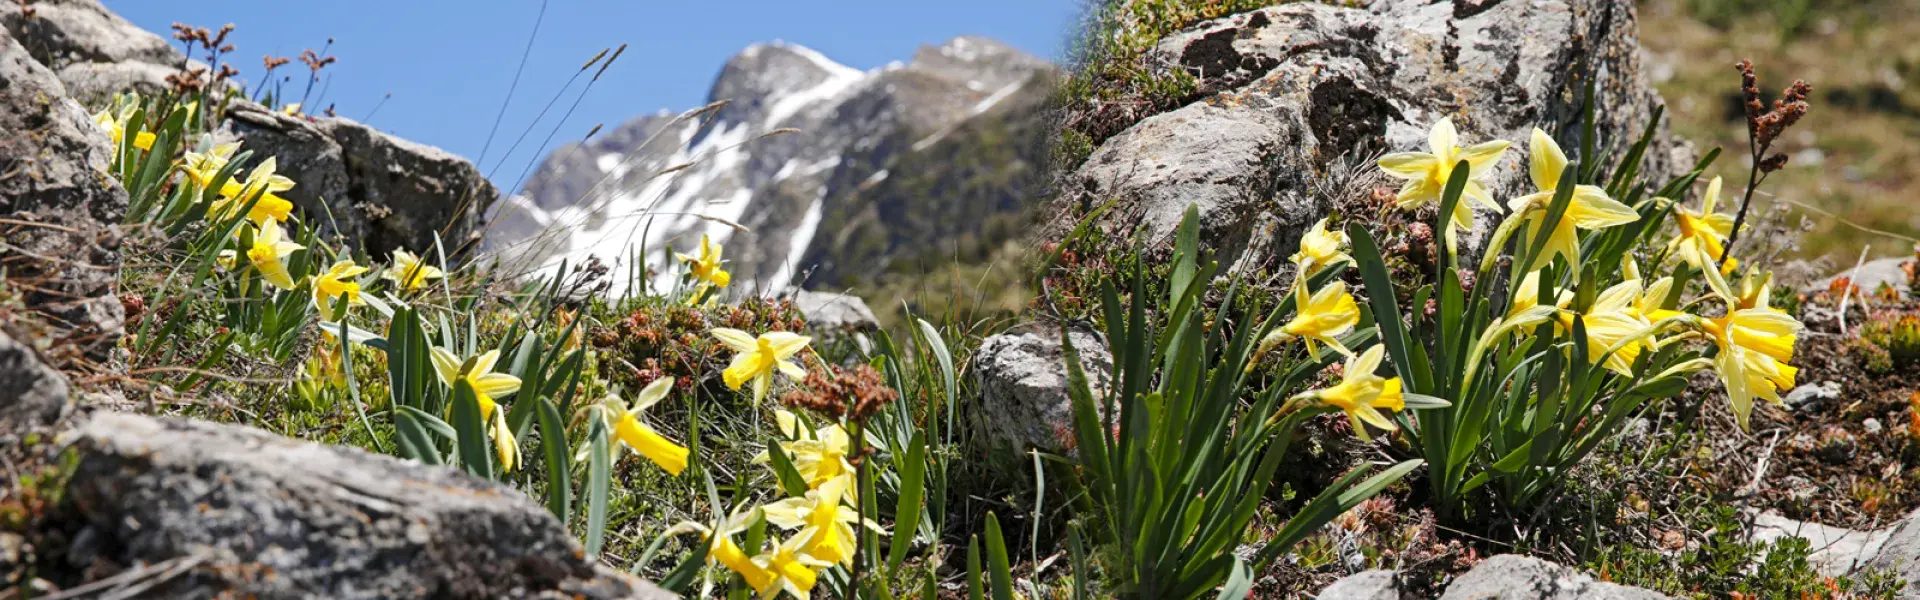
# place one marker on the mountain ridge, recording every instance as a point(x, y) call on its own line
point(790, 140)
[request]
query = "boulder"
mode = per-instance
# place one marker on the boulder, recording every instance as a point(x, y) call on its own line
point(383, 193)
point(231, 511)
point(1515, 577)
point(1377, 584)
point(95, 52)
point(59, 210)
point(1022, 379)
point(1296, 101)
point(835, 312)
point(32, 394)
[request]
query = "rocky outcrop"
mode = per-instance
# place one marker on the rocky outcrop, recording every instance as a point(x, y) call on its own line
point(1023, 403)
point(32, 394)
point(230, 511)
point(830, 312)
point(59, 211)
point(95, 52)
point(376, 191)
point(1898, 553)
point(1298, 99)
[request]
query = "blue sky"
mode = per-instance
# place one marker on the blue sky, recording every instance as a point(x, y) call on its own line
point(448, 63)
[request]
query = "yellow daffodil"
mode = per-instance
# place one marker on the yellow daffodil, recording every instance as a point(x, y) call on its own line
point(488, 388)
point(1613, 321)
point(116, 127)
point(725, 552)
point(1326, 315)
point(262, 181)
point(338, 281)
point(477, 371)
point(291, 110)
point(203, 167)
point(1362, 394)
point(820, 457)
point(409, 272)
point(706, 267)
point(1703, 234)
point(1589, 208)
point(1755, 344)
point(755, 359)
point(1526, 298)
point(824, 522)
point(1426, 173)
point(793, 570)
point(1320, 248)
point(626, 426)
point(269, 255)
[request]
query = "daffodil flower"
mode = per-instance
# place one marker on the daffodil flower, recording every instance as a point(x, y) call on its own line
point(627, 427)
point(706, 267)
point(269, 255)
point(488, 388)
point(1526, 298)
point(338, 281)
point(824, 522)
point(1703, 234)
point(793, 570)
point(756, 359)
point(262, 181)
point(1426, 174)
point(820, 458)
point(409, 272)
point(1319, 249)
point(117, 128)
point(723, 551)
point(1362, 394)
point(1589, 208)
point(203, 167)
point(1327, 314)
point(477, 371)
point(1613, 323)
point(1755, 344)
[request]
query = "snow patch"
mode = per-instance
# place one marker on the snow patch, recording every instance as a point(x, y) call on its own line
point(608, 162)
point(798, 241)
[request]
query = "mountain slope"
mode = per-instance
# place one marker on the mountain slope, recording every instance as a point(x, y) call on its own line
point(832, 175)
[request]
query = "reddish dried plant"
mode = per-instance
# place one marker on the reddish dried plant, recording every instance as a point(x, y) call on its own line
point(1764, 127)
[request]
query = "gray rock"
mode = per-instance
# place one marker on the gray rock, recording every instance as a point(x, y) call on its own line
point(830, 311)
point(1022, 378)
point(1377, 584)
point(61, 210)
point(1890, 272)
point(97, 53)
point(31, 393)
point(1804, 395)
point(1899, 554)
point(384, 193)
point(259, 515)
point(1515, 577)
point(1834, 551)
point(64, 32)
point(1298, 99)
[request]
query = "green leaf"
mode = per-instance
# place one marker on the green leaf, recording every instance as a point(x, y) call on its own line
point(906, 513)
point(791, 481)
point(553, 440)
point(1000, 568)
point(1240, 583)
point(472, 444)
point(976, 580)
point(1386, 311)
point(680, 580)
point(599, 484)
point(411, 433)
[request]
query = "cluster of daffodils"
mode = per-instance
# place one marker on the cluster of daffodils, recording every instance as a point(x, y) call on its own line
point(820, 522)
point(1751, 343)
